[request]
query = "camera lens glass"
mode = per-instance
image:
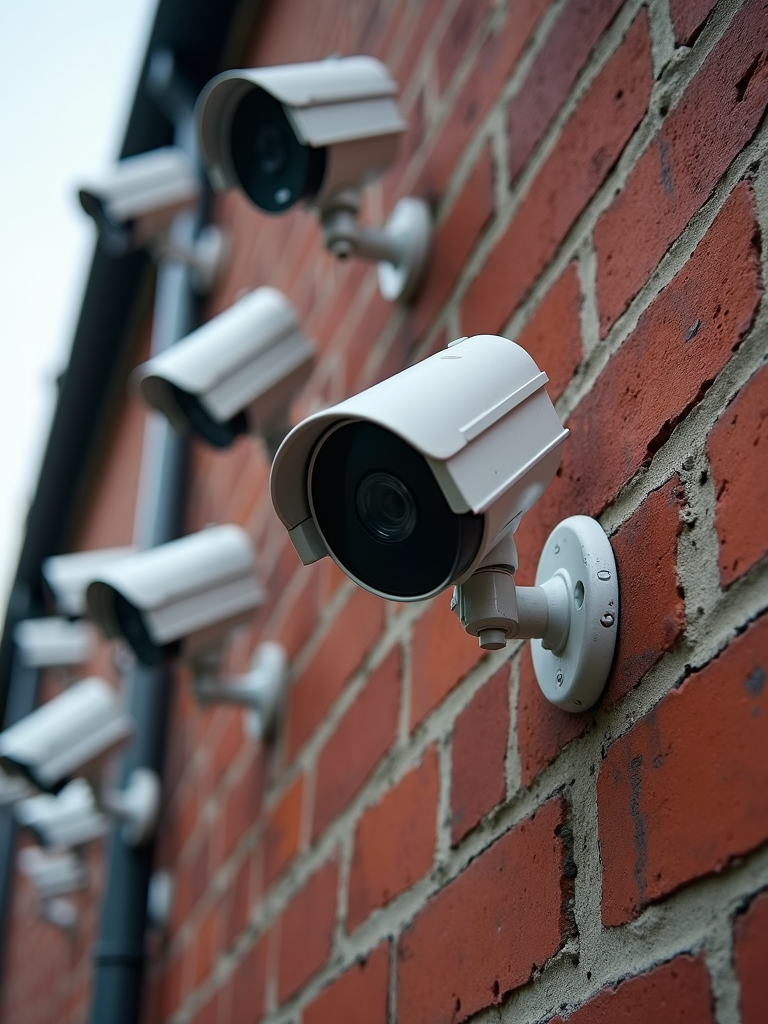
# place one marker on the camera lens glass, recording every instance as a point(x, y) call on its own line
point(386, 507)
point(274, 168)
point(220, 435)
point(383, 516)
point(135, 631)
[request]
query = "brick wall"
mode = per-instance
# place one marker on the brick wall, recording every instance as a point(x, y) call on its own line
point(429, 840)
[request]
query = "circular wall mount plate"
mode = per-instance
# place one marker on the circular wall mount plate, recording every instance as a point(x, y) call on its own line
point(411, 224)
point(579, 551)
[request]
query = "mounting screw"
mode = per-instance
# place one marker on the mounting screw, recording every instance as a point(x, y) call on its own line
point(606, 620)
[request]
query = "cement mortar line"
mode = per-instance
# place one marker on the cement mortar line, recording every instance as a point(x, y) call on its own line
point(512, 763)
point(589, 316)
point(441, 853)
point(662, 35)
point(718, 952)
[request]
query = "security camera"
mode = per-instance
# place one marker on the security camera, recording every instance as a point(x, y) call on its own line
point(66, 733)
point(60, 913)
point(137, 806)
point(68, 576)
point(418, 484)
point(236, 373)
point(188, 592)
point(317, 132)
point(134, 205)
point(53, 642)
point(52, 874)
point(14, 788)
point(71, 818)
point(261, 692)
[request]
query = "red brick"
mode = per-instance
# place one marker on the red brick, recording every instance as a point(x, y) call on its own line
point(458, 37)
point(553, 334)
point(204, 945)
point(394, 841)
point(676, 993)
point(347, 642)
point(283, 831)
point(578, 27)
point(737, 445)
point(688, 16)
point(455, 239)
point(478, 781)
point(686, 790)
point(306, 931)
point(750, 941)
point(236, 905)
point(208, 1012)
point(361, 739)
point(542, 729)
point(441, 655)
point(243, 805)
point(248, 985)
point(715, 119)
point(360, 991)
point(658, 376)
point(489, 929)
point(645, 548)
point(298, 619)
point(588, 147)
point(494, 64)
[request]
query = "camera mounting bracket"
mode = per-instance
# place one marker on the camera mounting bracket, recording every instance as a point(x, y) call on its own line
point(261, 692)
point(402, 247)
point(571, 615)
point(206, 257)
point(137, 806)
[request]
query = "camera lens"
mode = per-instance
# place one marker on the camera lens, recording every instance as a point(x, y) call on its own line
point(383, 516)
point(274, 168)
point(386, 507)
point(135, 631)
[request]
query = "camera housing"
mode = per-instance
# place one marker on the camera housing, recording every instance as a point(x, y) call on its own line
point(135, 202)
point(68, 576)
point(187, 593)
point(71, 818)
point(237, 373)
point(65, 734)
point(318, 133)
point(52, 874)
point(411, 483)
point(54, 642)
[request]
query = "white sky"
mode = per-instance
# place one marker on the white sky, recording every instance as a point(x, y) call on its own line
point(68, 72)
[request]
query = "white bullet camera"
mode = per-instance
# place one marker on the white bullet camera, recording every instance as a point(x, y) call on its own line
point(65, 734)
point(236, 373)
point(71, 818)
point(52, 874)
point(317, 132)
point(134, 205)
point(68, 576)
point(53, 642)
point(193, 590)
point(418, 484)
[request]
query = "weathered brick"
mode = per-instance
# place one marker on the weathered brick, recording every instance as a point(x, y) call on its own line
point(495, 62)
point(486, 932)
point(750, 941)
point(306, 931)
point(360, 991)
point(688, 16)
point(553, 334)
point(675, 993)
point(441, 655)
point(349, 639)
point(394, 841)
point(242, 804)
point(696, 759)
point(645, 548)
point(480, 735)
point(237, 901)
point(361, 739)
point(455, 239)
point(283, 830)
point(737, 445)
point(458, 36)
point(715, 119)
point(248, 985)
point(681, 343)
point(588, 147)
point(570, 41)
point(542, 729)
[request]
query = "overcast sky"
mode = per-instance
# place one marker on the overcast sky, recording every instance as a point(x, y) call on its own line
point(68, 72)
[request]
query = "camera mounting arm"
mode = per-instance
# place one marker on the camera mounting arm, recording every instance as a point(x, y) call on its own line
point(571, 615)
point(137, 806)
point(402, 247)
point(261, 692)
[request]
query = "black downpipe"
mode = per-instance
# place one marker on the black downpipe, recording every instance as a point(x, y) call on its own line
point(119, 954)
